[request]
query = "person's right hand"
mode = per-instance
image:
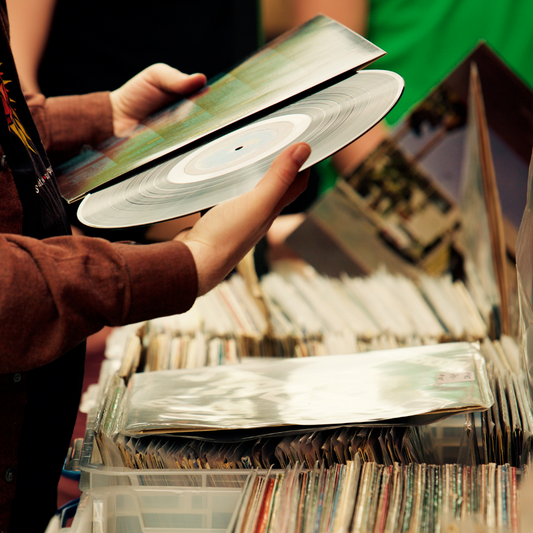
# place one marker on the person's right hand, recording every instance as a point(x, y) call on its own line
point(223, 236)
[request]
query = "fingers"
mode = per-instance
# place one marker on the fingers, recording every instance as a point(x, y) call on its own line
point(283, 183)
point(148, 91)
point(171, 80)
point(296, 188)
point(289, 162)
point(220, 239)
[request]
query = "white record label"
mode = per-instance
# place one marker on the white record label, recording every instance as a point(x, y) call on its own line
point(239, 149)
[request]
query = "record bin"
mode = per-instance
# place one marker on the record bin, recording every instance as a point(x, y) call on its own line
point(449, 443)
point(156, 509)
point(95, 475)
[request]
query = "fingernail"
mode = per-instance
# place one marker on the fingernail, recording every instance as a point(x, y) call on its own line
point(300, 154)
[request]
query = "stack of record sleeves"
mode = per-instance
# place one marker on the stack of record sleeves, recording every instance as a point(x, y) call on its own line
point(303, 313)
point(386, 475)
point(368, 497)
point(388, 445)
point(275, 413)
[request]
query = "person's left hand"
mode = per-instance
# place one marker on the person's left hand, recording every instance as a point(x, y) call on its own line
point(225, 234)
point(148, 91)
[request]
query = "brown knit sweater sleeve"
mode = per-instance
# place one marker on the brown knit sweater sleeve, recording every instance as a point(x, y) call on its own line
point(66, 123)
point(58, 291)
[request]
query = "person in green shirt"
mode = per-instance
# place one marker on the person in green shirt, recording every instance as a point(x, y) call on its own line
point(424, 41)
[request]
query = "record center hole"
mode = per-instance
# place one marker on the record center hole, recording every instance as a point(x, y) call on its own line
point(239, 148)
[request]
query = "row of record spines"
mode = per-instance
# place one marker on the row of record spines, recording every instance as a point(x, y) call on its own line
point(374, 498)
point(383, 445)
point(390, 445)
point(194, 350)
point(164, 352)
point(226, 323)
point(507, 427)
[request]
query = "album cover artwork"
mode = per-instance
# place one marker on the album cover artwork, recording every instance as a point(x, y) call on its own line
point(303, 86)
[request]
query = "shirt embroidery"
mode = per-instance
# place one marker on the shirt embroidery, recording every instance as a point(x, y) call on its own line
point(42, 180)
point(13, 121)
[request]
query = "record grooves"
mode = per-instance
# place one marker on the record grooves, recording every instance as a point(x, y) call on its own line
point(232, 164)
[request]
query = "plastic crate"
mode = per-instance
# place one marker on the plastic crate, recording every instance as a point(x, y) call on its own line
point(446, 435)
point(96, 475)
point(155, 510)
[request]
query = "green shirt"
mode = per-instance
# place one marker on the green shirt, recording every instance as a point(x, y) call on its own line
point(426, 39)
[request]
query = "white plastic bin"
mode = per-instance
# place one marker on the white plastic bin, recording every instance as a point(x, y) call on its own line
point(155, 510)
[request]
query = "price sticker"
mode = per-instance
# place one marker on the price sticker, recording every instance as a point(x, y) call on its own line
point(455, 377)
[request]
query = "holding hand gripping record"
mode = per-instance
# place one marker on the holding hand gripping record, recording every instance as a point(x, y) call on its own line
point(233, 164)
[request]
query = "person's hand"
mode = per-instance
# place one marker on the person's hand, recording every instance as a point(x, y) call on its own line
point(223, 236)
point(148, 91)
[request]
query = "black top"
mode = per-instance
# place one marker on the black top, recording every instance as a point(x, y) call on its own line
point(25, 156)
point(100, 45)
point(53, 390)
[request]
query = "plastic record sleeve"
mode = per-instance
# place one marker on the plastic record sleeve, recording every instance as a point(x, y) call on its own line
point(233, 164)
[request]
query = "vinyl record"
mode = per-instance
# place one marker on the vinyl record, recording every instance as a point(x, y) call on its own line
point(227, 167)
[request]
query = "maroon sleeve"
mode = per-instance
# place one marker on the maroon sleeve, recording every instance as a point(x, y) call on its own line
point(57, 291)
point(66, 123)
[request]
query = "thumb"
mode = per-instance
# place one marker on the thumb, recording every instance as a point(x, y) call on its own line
point(284, 175)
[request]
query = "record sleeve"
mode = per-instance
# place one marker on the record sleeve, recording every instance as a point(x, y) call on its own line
point(334, 390)
point(305, 57)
